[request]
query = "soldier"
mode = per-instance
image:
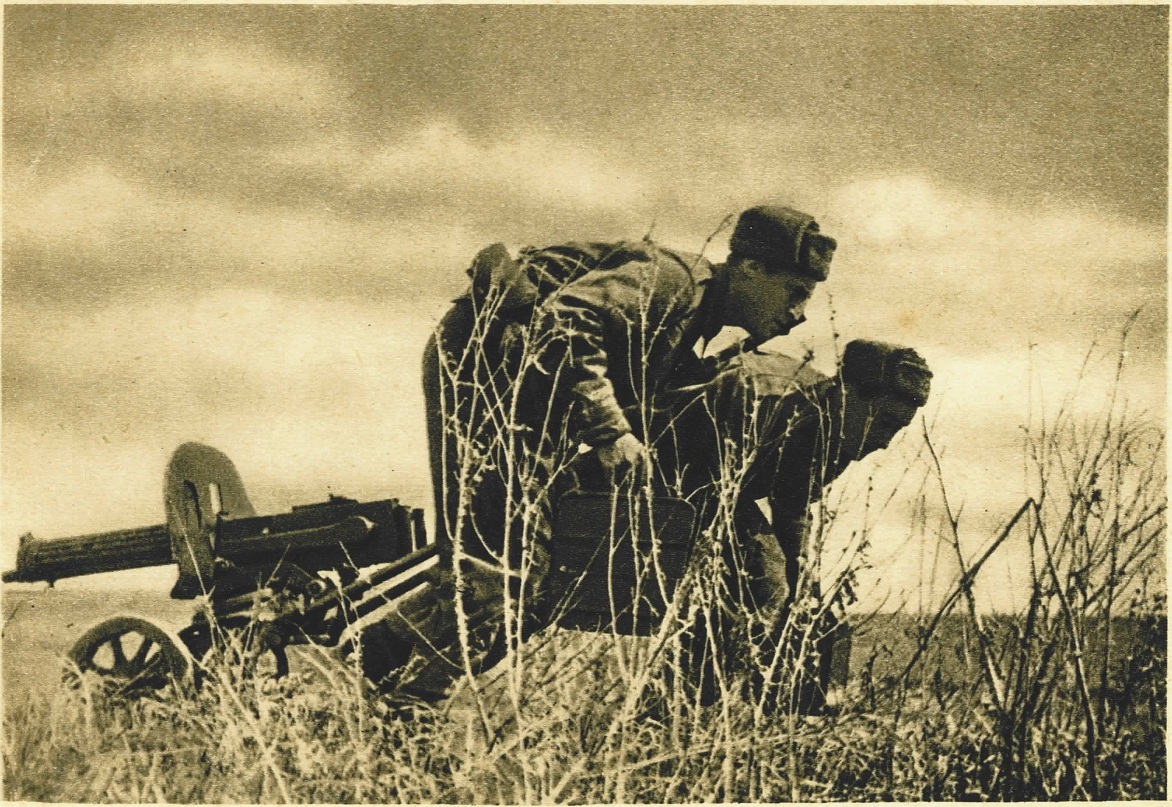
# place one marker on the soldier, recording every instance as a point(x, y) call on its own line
point(806, 431)
point(581, 343)
point(577, 363)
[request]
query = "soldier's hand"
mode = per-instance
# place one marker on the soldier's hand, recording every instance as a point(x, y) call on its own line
point(624, 454)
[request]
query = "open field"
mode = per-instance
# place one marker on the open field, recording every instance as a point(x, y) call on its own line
point(41, 625)
point(323, 735)
point(1064, 699)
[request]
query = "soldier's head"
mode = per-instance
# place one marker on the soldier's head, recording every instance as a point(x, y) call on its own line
point(884, 385)
point(776, 257)
point(879, 420)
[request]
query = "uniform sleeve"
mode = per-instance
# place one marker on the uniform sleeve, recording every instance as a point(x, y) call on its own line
point(605, 313)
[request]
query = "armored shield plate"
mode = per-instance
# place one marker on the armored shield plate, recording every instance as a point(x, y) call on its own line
point(201, 484)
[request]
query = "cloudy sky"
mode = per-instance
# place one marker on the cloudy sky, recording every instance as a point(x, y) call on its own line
point(238, 224)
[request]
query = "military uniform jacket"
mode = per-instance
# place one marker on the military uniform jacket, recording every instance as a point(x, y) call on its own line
point(624, 319)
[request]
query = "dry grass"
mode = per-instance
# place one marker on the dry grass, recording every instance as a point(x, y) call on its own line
point(1064, 700)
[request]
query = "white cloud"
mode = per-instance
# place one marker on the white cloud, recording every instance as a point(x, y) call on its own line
point(308, 396)
point(953, 273)
point(441, 164)
point(286, 343)
point(190, 70)
point(85, 209)
point(915, 216)
point(901, 210)
point(243, 76)
point(96, 214)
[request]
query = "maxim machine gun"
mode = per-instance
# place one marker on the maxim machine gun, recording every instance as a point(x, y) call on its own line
point(341, 573)
point(320, 573)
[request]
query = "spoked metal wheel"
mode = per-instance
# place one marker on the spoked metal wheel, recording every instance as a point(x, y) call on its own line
point(130, 654)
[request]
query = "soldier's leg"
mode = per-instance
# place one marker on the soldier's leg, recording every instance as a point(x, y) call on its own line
point(443, 375)
point(731, 636)
point(416, 646)
point(422, 630)
point(702, 658)
point(464, 395)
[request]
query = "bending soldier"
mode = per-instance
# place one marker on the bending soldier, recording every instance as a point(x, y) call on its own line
point(807, 429)
point(578, 345)
point(580, 362)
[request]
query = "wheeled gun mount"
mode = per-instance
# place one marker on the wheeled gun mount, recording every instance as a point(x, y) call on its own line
point(322, 573)
point(217, 540)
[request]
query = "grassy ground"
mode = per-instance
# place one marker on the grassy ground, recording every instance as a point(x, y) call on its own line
point(1066, 699)
point(578, 736)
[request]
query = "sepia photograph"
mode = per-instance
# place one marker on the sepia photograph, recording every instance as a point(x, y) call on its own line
point(583, 404)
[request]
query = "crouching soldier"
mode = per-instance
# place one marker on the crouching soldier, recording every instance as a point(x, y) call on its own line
point(582, 348)
point(587, 356)
point(802, 430)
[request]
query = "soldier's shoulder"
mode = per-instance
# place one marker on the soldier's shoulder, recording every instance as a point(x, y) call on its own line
point(691, 263)
point(554, 266)
point(675, 272)
point(588, 254)
point(776, 374)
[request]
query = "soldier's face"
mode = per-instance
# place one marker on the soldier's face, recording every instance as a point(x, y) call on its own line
point(766, 304)
point(887, 423)
point(875, 424)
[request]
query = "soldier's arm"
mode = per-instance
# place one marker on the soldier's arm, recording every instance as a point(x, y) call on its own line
point(604, 308)
point(879, 390)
